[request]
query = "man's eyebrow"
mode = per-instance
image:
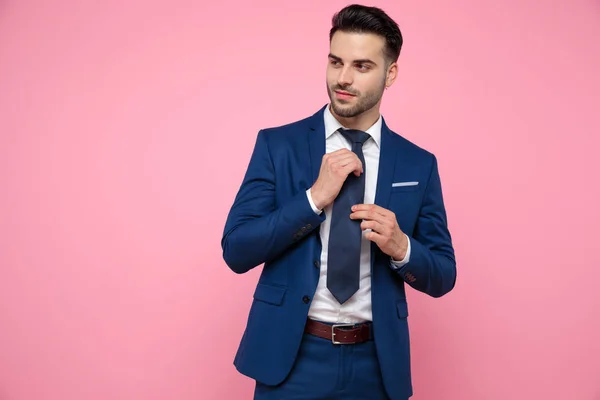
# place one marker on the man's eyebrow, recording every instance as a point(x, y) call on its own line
point(361, 61)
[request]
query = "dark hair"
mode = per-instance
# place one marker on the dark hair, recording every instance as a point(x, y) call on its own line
point(357, 18)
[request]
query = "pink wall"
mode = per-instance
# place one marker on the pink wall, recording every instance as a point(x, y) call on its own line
point(124, 134)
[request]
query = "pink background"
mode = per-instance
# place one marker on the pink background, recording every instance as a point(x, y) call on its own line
point(125, 130)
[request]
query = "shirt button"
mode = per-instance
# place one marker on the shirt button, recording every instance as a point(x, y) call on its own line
point(306, 299)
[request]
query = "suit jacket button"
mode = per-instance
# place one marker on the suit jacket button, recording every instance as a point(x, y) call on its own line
point(306, 299)
point(316, 263)
point(308, 226)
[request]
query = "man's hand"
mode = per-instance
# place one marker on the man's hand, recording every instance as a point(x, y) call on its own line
point(335, 168)
point(385, 230)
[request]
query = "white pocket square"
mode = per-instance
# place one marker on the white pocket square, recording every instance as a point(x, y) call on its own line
point(397, 184)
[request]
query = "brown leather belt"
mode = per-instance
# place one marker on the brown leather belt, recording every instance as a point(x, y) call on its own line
point(340, 333)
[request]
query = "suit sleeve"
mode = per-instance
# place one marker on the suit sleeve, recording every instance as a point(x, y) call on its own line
point(432, 265)
point(257, 228)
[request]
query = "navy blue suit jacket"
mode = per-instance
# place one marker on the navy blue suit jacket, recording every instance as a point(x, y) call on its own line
point(272, 222)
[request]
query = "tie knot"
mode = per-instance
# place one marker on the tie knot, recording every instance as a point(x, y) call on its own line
point(354, 135)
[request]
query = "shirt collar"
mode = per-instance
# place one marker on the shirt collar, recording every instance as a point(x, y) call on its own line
point(332, 125)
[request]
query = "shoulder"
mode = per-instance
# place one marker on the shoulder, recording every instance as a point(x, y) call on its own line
point(288, 128)
point(412, 151)
point(290, 133)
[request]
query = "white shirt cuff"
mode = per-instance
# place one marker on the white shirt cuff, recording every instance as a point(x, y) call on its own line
point(398, 264)
point(312, 204)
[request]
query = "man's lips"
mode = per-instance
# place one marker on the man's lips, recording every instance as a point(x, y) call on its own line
point(343, 94)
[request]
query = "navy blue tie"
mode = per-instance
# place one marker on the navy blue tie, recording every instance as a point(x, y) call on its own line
point(343, 258)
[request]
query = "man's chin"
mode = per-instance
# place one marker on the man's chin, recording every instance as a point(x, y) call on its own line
point(343, 110)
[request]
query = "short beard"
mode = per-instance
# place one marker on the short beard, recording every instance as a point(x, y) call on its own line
point(364, 103)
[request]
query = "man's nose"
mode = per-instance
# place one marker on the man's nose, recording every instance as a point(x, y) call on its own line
point(345, 77)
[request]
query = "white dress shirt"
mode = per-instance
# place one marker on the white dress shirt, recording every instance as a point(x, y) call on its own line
point(324, 306)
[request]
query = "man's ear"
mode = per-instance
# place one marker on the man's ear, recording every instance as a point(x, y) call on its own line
point(391, 75)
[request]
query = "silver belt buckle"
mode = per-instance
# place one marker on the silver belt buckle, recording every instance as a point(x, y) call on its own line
point(333, 331)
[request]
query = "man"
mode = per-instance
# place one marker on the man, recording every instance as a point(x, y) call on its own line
point(343, 213)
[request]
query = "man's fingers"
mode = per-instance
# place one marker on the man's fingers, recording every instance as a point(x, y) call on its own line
point(369, 215)
point(355, 167)
point(351, 164)
point(374, 226)
point(372, 207)
point(343, 158)
point(374, 237)
point(371, 212)
point(339, 154)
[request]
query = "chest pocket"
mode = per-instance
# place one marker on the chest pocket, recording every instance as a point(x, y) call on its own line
point(405, 201)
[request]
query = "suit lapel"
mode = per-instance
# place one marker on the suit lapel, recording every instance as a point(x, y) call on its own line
point(316, 143)
point(387, 163)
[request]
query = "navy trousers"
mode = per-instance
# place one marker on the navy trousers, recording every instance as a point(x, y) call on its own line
point(327, 371)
